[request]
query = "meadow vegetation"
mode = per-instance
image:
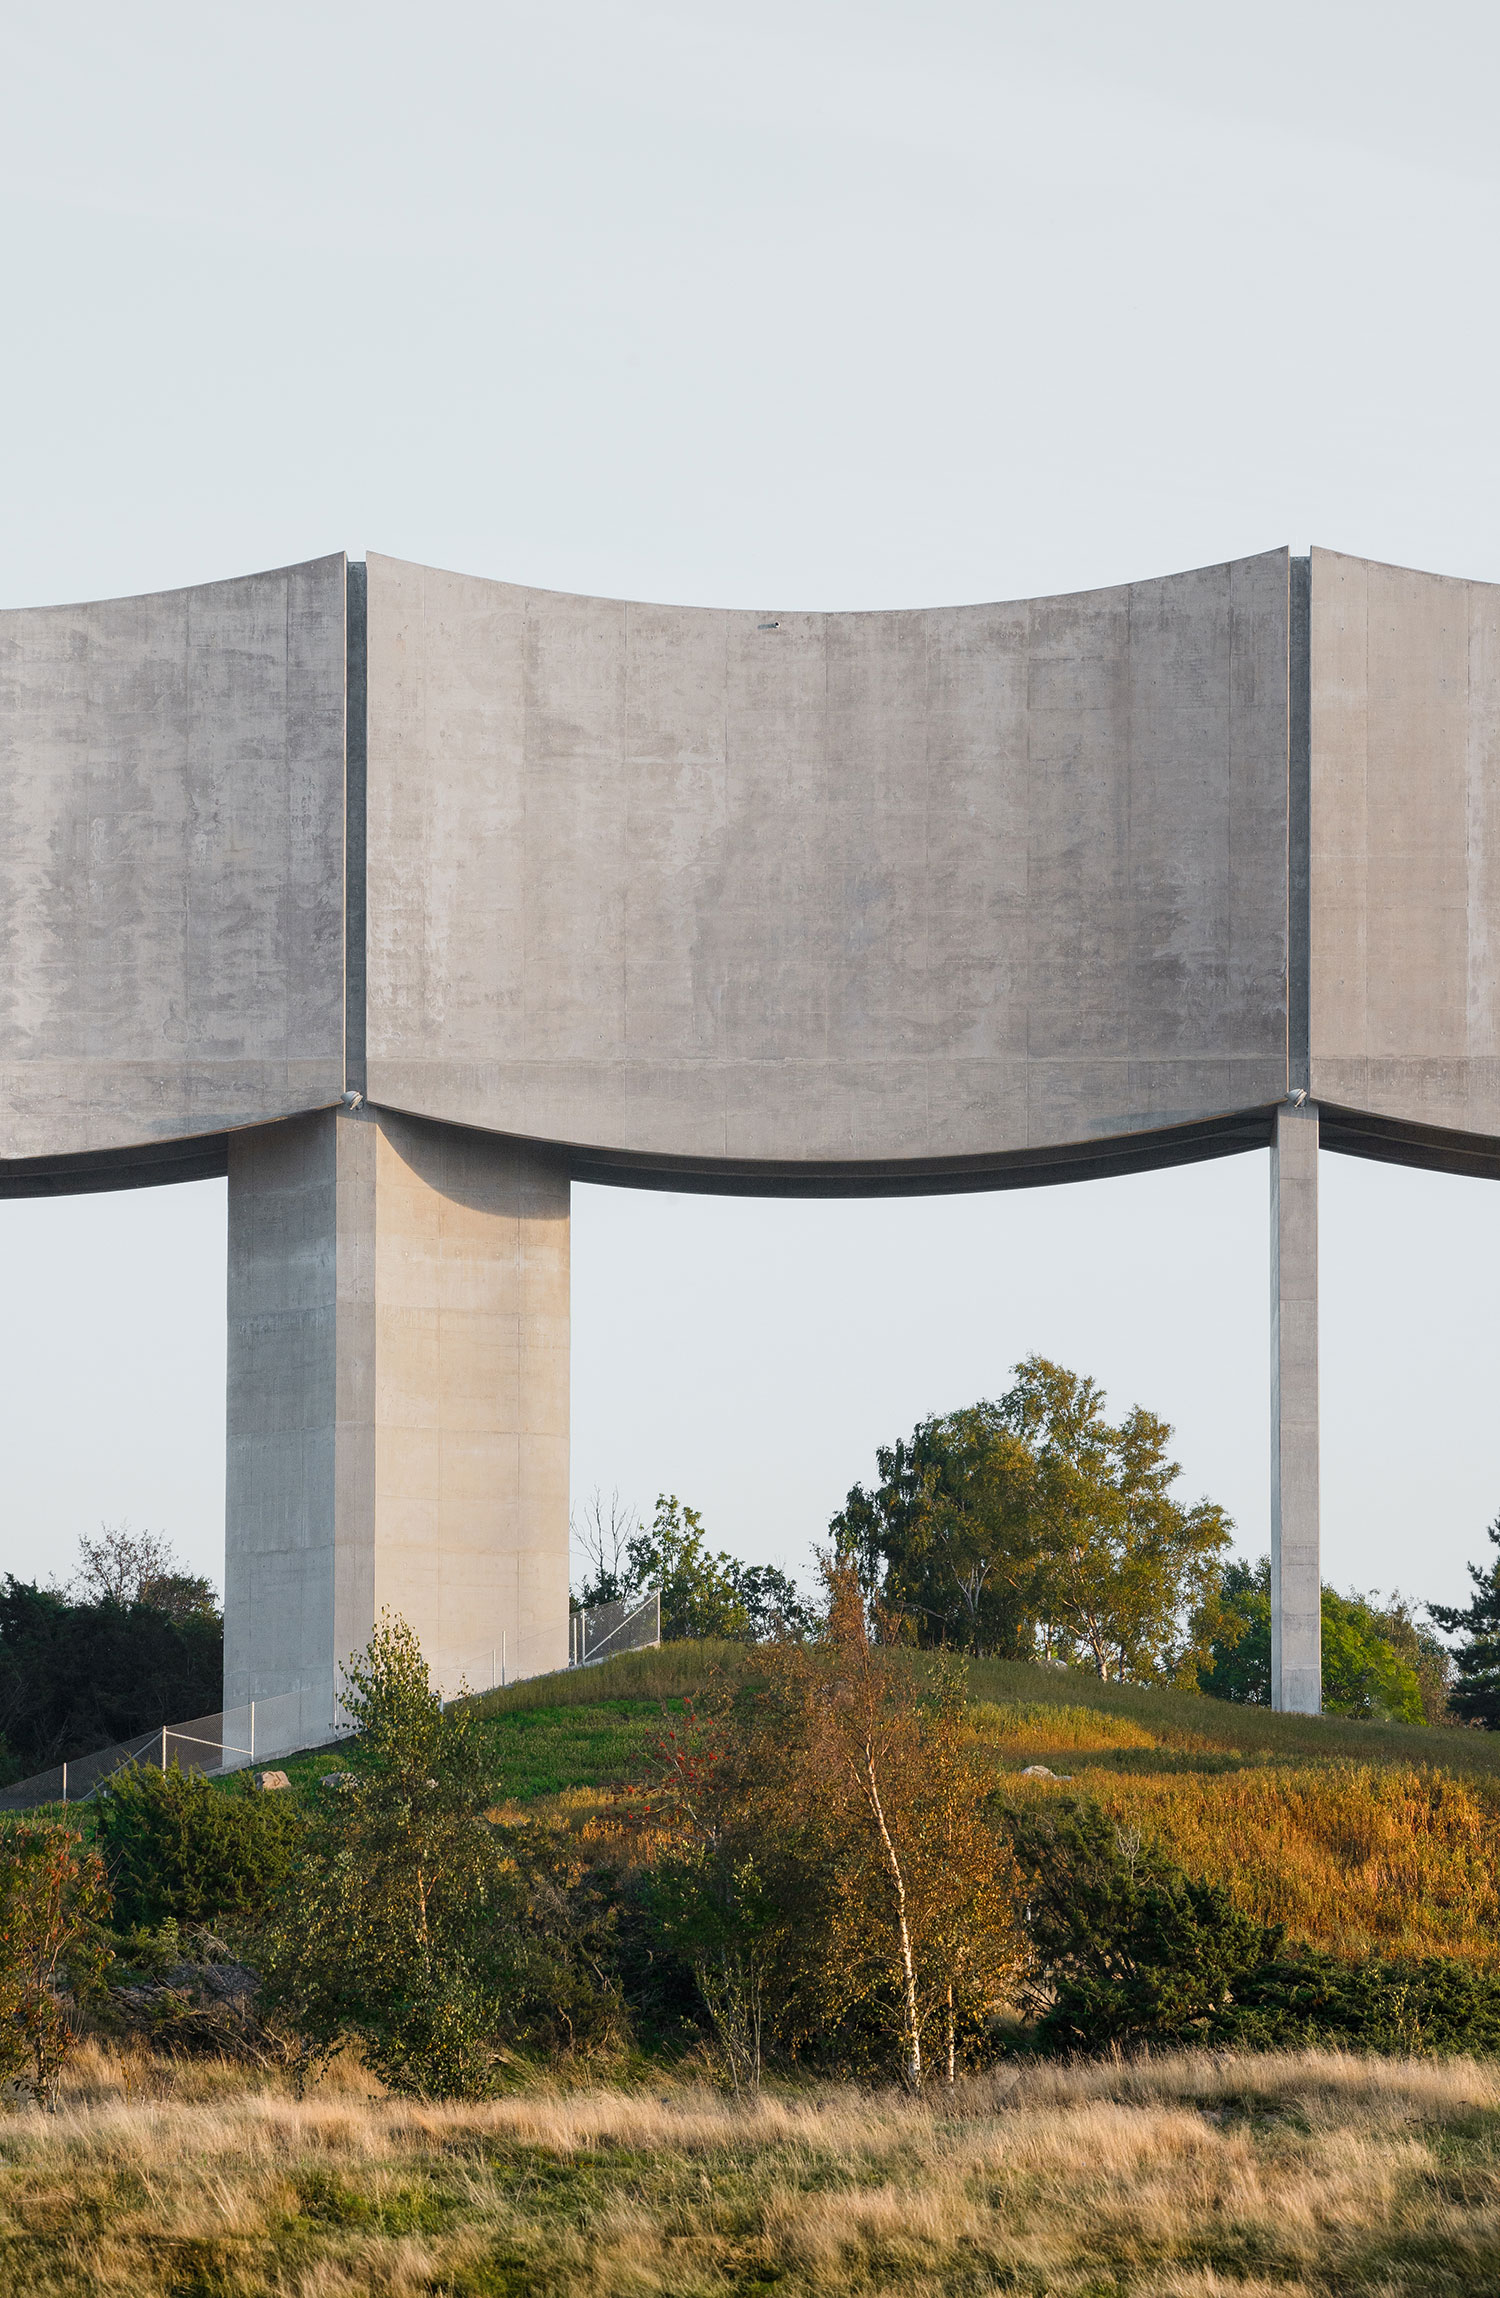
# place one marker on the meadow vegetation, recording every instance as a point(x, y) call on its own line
point(641, 1958)
point(949, 1935)
point(1186, 2176)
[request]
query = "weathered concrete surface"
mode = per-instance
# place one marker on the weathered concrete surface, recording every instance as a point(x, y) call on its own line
point(1405, 844)
point(171, 862)
point(882, 886)
point(398, 1401)
point(1296, 1580)
point(765, 900)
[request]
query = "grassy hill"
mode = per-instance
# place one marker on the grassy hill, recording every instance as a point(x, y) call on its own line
point(1358, 1837)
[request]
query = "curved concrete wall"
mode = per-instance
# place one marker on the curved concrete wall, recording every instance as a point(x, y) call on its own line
point(1405, 847)
point(171, 864)
point(759, 899)
point(704, 886)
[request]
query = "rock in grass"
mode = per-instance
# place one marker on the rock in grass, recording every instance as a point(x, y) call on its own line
point(1040, 1771)
point(268, 1781)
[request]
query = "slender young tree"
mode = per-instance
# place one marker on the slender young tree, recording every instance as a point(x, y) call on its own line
point(835, 1874)
point(400, 1927)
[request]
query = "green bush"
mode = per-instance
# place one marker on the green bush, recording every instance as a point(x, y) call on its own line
point(1436, 2004)
point(1125, 1946)
point(175, 1846)
point(1127, 1949)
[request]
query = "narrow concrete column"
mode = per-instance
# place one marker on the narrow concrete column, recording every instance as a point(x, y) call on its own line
point(1296, 1585)
point(398, 1403)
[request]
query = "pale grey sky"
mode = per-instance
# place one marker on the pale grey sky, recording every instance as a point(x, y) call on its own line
point(819, 305)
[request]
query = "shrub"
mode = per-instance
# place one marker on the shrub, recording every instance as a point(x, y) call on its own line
point(1379, 2004)
point(177, 1847)
point(53, 1900)
point(1129, 1949)
point(1126, 1947)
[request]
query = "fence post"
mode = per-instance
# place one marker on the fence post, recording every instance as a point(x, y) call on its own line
point(502, 1658)
point(163, 1747)
point(252, 1731)
point(65, 1783)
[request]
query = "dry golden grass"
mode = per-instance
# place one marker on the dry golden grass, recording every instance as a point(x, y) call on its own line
point(1356, 1858)
point(1184, 2178)
point(1027, 1728)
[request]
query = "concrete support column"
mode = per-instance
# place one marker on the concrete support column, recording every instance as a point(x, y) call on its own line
point(1296, 1580)
point(398, 1403)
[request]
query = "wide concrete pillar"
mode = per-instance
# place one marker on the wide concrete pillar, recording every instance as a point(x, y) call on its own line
point(1296, 1578)
point(398, 1405)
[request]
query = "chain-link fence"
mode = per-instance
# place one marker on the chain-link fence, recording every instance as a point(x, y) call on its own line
point(264, 1729)
point(599, 1631)
point(226, 1741)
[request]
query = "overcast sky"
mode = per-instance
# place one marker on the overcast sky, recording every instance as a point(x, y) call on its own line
point(815, 305)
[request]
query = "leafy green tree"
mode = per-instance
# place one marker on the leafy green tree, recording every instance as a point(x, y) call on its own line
point(702, 1593)
point(78, 1676)
point(1130, 1570)
point(699, 1595)
point(401, 1925)
point(949, 1537)
point(1032, 1520)
point(177, 1847)
point(1238, 1666)
point(1423, 1652)
point(773, 1603)
point(698, 1592)
point(1475, 1696)
point(1364, 1674)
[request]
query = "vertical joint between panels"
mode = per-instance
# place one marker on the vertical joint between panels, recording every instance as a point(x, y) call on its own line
point(356, 760)
point(1299, 828)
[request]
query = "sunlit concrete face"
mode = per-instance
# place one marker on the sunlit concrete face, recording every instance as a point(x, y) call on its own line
point(1405, 844)
point(398, 1403)
point(793, 887)
point(171, 862)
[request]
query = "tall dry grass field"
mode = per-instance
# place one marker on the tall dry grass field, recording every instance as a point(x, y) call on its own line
point(1187, 2178)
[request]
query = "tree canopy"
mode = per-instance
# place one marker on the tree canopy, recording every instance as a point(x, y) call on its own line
point(77, 1676)
point(1377, 1664)
point(704, 1591)
point(1475, 1695)
point(1033, 1526)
